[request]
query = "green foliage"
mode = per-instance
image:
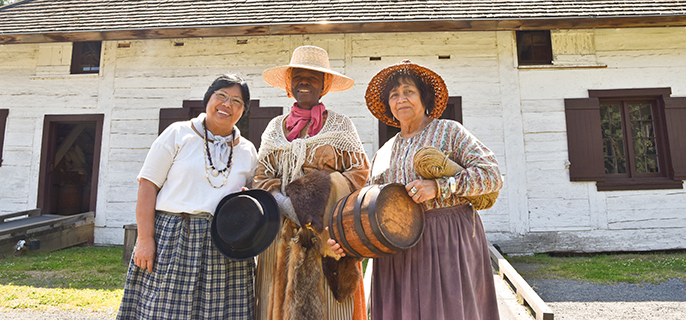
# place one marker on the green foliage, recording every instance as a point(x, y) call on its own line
point(606, 268)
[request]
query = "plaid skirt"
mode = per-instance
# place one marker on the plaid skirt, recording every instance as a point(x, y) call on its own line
point(191, 279)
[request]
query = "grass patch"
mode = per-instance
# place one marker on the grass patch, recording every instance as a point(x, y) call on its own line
point(79, 278)
point(654, 267)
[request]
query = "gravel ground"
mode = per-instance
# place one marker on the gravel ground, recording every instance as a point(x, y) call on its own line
point(54, 314)
point(651, 310)
point(572, 299)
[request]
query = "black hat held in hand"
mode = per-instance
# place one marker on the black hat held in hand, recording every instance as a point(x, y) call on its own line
point(245, 223)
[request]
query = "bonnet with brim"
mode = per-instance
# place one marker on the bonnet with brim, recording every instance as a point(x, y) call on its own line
point(378, 83)
point(311, 58)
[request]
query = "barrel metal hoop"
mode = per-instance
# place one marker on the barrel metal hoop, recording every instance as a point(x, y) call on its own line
point(341, 232)
point(358, 223)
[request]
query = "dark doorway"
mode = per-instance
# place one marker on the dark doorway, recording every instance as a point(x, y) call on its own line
point(70, 161)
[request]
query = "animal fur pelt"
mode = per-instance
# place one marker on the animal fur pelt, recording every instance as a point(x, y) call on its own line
point(277, 290)
point(298, 286)
point(309, 195)
point(304, 298)
point(342, 275)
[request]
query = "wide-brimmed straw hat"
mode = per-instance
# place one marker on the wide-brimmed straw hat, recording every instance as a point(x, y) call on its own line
point(378, 83)
point(245, 223)
point(311, 58)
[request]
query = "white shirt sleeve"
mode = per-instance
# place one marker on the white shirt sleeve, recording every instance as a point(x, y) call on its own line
point(160, 157)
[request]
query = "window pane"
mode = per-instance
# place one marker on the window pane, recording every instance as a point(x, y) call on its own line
point(90, 56)
point(652, 165)
point(533, 47)
point(613, 138)
point(643, 137)
point(86, 57)
point(610, 166)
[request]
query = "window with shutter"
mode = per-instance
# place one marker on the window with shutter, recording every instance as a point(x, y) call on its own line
point(627, 139)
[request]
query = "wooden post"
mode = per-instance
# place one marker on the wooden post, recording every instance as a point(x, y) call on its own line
point(130, 235)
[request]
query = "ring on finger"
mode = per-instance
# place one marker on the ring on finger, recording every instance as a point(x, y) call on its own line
point(413, 190)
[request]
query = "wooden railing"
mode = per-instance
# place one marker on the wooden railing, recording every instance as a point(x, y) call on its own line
point(525, 294)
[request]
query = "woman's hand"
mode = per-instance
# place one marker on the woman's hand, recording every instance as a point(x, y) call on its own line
point(422, 190)
point(335, 247)
point(144, 257)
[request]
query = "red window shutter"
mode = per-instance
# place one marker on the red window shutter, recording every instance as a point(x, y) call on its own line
point(584, 139)
point(259, 119)
point(675, 116)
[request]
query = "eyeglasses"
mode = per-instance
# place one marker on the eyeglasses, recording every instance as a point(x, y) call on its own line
point(234, 102)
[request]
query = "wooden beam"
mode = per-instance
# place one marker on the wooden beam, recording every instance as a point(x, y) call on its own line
point(28, 213)
point(350, 27)
point(521, 288)
point(67, 143)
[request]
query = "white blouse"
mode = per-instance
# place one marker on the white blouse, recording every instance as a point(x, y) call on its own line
point(176, 164)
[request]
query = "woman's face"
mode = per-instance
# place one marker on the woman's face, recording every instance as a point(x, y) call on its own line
point(306, 86)
point(406, 102)
point(224, 109)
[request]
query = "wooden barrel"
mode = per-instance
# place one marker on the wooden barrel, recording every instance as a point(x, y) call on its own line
point(376, 221)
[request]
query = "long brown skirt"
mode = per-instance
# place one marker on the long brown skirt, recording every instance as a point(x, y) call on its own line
point(447, 275)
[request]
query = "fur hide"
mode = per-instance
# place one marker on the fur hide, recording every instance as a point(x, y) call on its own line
point(297, 290)
point(277, 290)
point(305, 291)
point(342, 275)
point(309, 195)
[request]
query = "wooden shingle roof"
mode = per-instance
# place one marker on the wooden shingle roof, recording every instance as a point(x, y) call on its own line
point(61, 20)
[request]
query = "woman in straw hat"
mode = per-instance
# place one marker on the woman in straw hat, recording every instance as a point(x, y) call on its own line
point(308, 159)
point(447, 274)
point(176, 272)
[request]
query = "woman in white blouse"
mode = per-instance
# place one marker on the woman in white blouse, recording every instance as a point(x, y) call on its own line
point(176, 272)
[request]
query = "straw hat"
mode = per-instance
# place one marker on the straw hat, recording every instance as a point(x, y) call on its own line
point(311, 58)
point(378, 84)
point(245, 223)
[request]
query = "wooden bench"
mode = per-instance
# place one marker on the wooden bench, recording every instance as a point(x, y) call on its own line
point(45, 232)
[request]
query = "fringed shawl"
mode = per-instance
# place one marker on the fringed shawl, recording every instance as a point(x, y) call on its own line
point(338, 132)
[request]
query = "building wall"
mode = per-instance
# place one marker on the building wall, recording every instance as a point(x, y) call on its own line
point(517, 112)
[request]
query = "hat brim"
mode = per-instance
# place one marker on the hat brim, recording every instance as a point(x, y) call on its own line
point(376, 86)
point(276, 77)
point(268, 233)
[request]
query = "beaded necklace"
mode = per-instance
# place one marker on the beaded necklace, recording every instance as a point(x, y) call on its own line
point(224, 172)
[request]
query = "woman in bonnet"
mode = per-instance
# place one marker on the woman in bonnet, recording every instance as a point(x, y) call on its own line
point(447, 274)
point(176, 272)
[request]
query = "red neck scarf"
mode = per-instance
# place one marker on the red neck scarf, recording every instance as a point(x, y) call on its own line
point(299, 117)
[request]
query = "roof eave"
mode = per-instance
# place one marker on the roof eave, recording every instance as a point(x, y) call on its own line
point(348, 27)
